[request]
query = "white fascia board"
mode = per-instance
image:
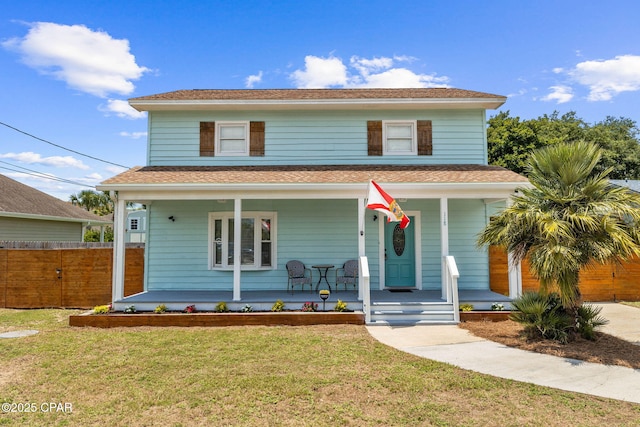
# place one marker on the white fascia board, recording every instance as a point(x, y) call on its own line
point(318, 104)
point(52, 218)
point(133, 192)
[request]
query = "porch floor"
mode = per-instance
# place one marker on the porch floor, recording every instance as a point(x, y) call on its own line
point(263, 300)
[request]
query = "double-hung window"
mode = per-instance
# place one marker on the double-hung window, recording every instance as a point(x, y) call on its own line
point(257, 240)
point(399, 137)
point(232, 139)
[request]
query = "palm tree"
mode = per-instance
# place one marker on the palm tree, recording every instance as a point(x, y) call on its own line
point(569, 219)
point(97, 202)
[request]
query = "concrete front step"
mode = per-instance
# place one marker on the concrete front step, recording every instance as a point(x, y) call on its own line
point(412, 313)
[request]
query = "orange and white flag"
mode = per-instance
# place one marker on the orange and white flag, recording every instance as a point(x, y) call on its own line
point(380, 201)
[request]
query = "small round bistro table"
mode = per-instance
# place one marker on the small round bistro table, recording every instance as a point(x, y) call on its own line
point(323, 269)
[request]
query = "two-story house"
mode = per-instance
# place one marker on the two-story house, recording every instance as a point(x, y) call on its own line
point(283, 175)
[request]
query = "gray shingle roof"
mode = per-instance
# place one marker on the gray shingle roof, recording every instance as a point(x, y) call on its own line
point(18, 198)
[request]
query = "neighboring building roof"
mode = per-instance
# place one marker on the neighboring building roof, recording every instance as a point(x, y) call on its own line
point(20, 200)
point(312, 174)
point(317, 99)
point(631, 184)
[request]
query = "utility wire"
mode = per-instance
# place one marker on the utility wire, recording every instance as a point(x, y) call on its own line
point(43, 175)
point(60, 146)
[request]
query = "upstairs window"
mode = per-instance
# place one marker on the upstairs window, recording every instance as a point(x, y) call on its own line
point(399, 138)
point(231, 139)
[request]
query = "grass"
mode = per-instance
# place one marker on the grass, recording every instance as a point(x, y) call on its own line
point(273, 376)
point(631, 303)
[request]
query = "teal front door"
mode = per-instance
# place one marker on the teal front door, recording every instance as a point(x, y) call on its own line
point(399, 255)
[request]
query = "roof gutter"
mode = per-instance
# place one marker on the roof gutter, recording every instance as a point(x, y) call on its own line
point(53, 218)
point(315, 104)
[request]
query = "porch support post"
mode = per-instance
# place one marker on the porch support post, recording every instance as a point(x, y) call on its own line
point(444, 243)
point(119, 219)
point(515, 271)
point(361, 241)
point(237, 248)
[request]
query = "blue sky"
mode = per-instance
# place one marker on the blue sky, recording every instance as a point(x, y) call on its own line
point(68, 67)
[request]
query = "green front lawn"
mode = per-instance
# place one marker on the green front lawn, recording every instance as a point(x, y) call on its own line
point(312, 375)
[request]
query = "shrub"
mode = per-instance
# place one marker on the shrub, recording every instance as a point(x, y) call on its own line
point(190, 308)
point(466, 307)
point(542, 316)
point(340, 306)
point(160, 309)
point(101, 309)
point(221, 307)
point(130, 309)
point(588, 319)
point(247, 309)
point(278, 306)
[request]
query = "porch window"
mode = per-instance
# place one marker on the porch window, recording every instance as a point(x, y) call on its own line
point(257, 240)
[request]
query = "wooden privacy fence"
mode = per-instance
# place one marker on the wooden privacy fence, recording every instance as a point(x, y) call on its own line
point(64, 277)
point(603, 282)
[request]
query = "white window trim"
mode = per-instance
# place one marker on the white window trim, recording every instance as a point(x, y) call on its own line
point(414, 138)
point(218, 134)
point(257, 242)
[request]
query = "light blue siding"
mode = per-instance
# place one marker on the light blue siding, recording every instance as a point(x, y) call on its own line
point(314, 232)
point(300, 137)
point(467, 218)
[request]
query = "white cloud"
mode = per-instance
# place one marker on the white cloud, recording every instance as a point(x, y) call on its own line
point(122, 109)
point(606, 79)
point(133, 135)
point(320, 73)
point(90, 61)
point(55, 161)
point(378, 72)
point(560, 94)
point(253, 79)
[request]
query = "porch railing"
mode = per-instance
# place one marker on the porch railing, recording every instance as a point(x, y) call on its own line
point(451, 284)
point(365, 285)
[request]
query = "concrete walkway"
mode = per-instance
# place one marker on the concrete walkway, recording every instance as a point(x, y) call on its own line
point(456, 346)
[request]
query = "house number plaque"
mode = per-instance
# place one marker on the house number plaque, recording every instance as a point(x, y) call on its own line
point(398, 240)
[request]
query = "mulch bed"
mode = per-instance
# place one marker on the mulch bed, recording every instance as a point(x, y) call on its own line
point(606, 349)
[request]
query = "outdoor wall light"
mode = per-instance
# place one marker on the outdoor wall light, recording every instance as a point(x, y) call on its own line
point(375, 218)
point(172, 218)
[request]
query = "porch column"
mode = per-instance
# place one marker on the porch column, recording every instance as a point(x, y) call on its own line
point(444, 242)
point(119, 219)
point(237, 248)
point(515, 271)
point(361, 241)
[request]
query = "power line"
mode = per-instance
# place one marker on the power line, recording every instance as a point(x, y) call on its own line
point(42, 175)
point(61, 147)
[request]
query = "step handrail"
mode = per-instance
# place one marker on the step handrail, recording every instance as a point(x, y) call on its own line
point(365, 286)
point(451, 283)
